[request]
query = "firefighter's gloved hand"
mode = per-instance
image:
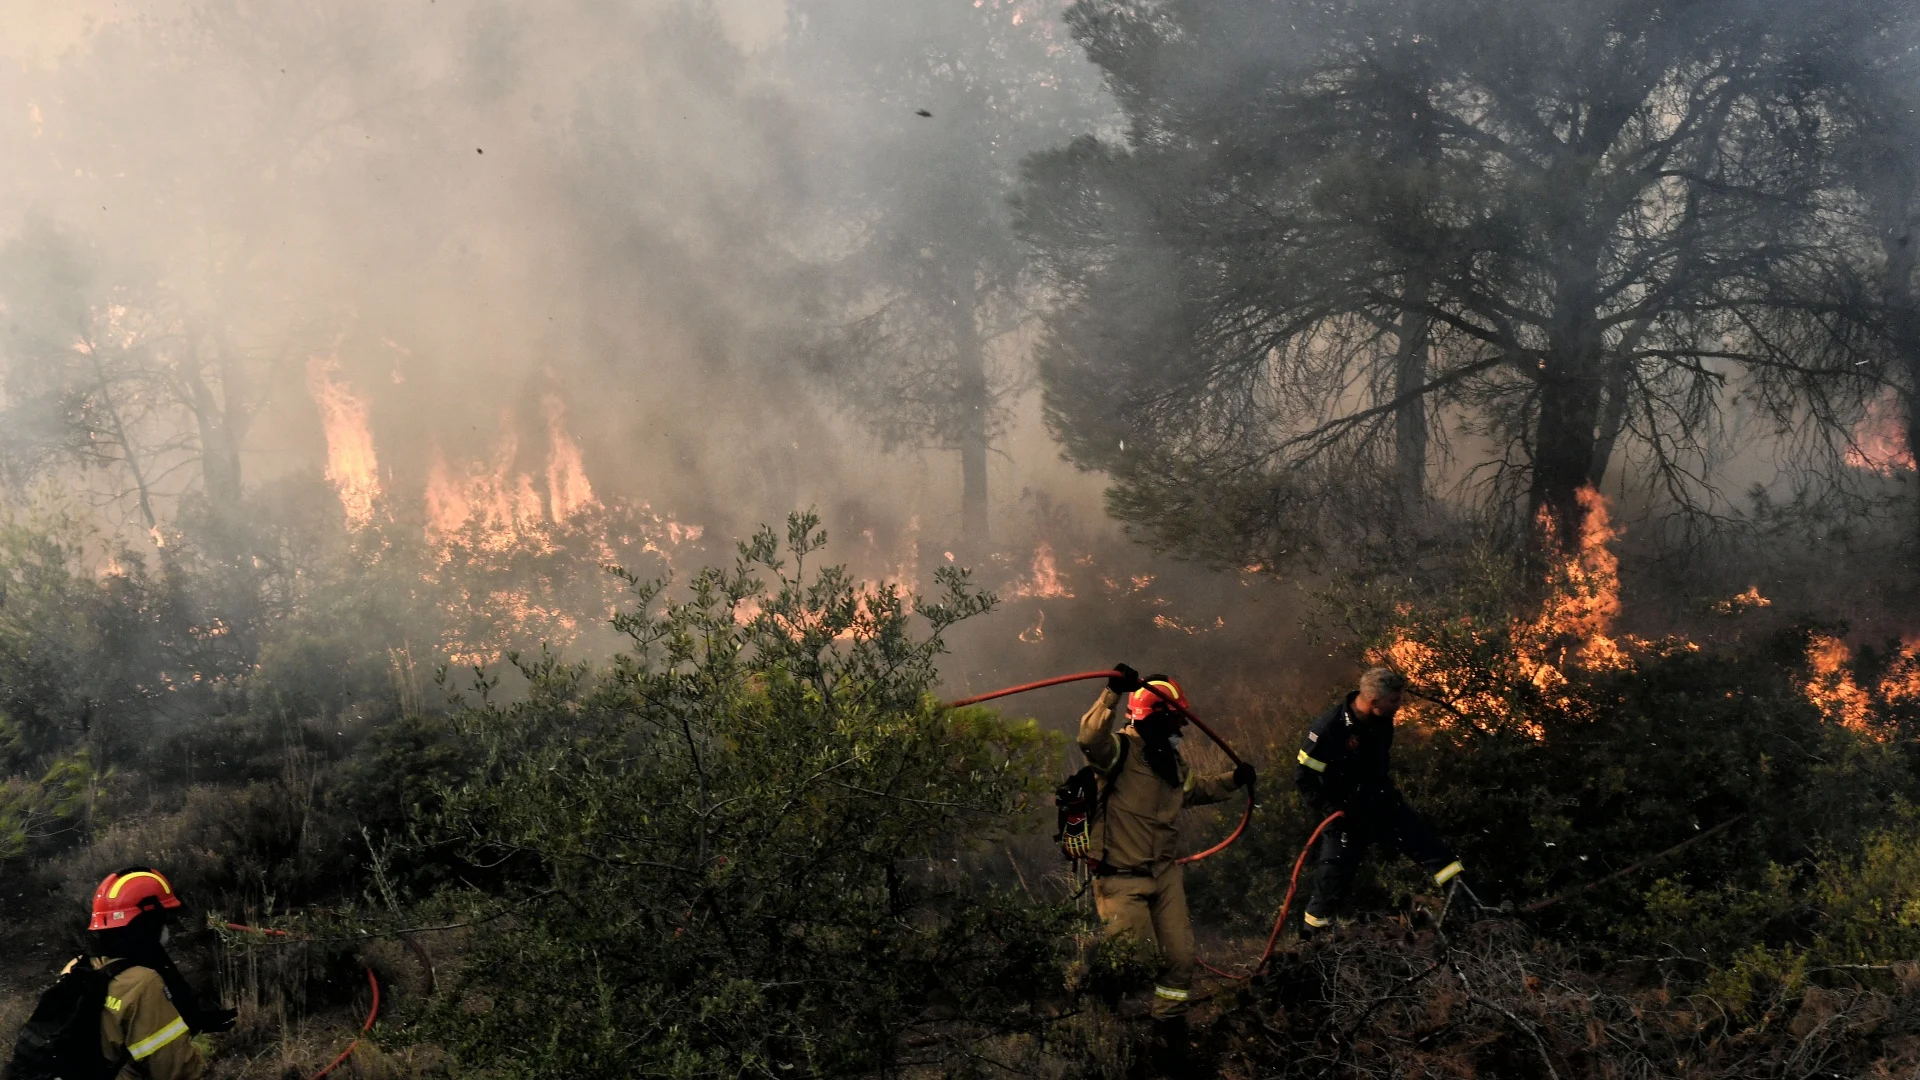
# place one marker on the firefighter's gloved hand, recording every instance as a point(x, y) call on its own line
point(1125, 682)
point(1243, 775)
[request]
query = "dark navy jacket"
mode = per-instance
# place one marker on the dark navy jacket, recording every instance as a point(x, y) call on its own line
point(1343, 762)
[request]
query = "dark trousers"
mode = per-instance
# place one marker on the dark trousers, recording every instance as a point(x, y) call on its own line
point(1395, 825)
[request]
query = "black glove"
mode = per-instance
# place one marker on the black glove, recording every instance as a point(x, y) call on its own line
point(1126, 682)
point(1243, 775)
point(213, 1021)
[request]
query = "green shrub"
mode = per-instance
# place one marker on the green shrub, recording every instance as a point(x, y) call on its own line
point(731, 851)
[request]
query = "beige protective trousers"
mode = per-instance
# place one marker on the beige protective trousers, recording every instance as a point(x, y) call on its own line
point(1153, 911)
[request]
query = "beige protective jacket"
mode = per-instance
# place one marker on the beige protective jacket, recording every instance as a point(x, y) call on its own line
point(1139, 831)
point(141, 1027)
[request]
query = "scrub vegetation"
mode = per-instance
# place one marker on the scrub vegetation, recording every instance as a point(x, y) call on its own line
point(391, 395)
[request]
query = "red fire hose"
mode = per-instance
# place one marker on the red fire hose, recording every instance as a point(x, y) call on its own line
point(372, 1013)
point(1084, 676)
point(1292, 886)
point(1281, 919)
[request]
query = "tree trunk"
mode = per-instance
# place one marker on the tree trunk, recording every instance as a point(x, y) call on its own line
point(1903, 322)
point(1613, 416)
point(219, 451)
point(1409, 374)
point(1565, 437)
point(974, 409)
point(122, 437)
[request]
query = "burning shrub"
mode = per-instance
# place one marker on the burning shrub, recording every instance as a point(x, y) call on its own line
point(1561, 755)
point(728, 852)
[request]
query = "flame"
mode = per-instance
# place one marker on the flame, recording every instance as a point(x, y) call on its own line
point(1831, 686)
point(1572, 630)
point(351, 464)
point(1880, 438)
point(1046, 583)
point(567, 486)
point(447, 506)
point(1746, 601)
point(1037, 632)
point(1134, 583)
point(496, 502)
point(1166, 622)
point(1901, 683)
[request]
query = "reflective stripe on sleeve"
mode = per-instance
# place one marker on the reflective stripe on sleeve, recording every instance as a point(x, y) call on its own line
point(151, 1045)
point(1448, 873)
point(1169, 993)
point(1315, 921)
point(1313, 763)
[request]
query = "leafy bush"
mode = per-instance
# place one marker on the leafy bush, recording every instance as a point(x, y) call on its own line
point(732, 851)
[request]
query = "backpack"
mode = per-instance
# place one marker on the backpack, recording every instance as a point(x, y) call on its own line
point(61, 1040)
point(1078, 802)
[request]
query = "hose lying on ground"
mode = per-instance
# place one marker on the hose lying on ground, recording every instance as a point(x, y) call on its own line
point(372, 1014)
point(1280, 920)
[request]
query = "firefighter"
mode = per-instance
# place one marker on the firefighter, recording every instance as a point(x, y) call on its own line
point(1344, 766)
point(1138, 887)
point(151, 1016)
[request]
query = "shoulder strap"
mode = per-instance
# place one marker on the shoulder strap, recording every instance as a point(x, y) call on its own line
point(1112, 777)
point(1106, 792)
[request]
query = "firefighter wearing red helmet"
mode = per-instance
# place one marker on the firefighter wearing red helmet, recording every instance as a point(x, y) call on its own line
point(150, 1016)
point(1139, 887)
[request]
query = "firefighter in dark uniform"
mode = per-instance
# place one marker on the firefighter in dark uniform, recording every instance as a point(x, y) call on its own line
point(1344, 766)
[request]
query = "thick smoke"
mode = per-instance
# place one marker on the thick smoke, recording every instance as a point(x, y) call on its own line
point(472, 208)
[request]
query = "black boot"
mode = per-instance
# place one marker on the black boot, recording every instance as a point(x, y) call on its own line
point(1168, 1052)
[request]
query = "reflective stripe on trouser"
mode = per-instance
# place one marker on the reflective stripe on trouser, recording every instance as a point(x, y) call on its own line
point(1153, 911)
point(1316, 921)
point(1342, 846)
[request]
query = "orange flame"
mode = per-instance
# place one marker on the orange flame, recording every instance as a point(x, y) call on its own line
point(567, 486)
point(1880, 438)
point(1832, 688)
point(499, 502)
point(1168, 622)
point(1901, 683)
point(1046, 583)
point(351, 464)
point(1746, 601)
point(447, 505)
point(1570, 631)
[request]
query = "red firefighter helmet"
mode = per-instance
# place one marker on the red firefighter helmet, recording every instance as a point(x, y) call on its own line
point(1143, 702)
point(127, 894)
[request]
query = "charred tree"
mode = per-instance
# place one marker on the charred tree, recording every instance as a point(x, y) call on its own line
point(1883, 84)
point(1411, 436)
point(1598, 212)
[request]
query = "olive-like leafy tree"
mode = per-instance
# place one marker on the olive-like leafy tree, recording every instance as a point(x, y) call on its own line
point(730, 851)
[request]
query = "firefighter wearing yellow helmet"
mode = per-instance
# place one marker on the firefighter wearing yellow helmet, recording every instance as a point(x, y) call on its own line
point(1138, 884)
